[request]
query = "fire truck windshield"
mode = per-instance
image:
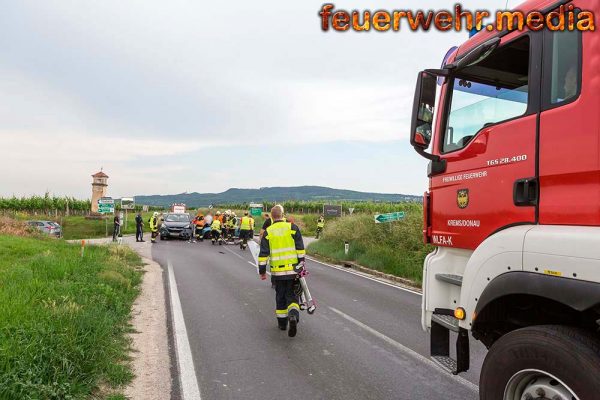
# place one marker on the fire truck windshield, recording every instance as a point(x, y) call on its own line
point(489, 92)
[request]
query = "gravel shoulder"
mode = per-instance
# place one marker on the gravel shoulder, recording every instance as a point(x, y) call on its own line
point(150, 340)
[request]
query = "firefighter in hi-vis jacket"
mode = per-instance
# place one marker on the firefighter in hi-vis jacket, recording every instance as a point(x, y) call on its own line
point(283, 247)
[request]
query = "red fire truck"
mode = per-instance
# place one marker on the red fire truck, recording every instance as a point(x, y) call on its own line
point(510, 125)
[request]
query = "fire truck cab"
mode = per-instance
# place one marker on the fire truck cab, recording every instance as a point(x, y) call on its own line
point(510, 125)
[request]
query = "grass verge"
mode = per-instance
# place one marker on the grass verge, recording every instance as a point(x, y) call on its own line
point(394, 248)
point(64, 318)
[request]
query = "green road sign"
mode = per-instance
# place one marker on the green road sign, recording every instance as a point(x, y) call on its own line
point(106, 208)
point(255, 211)
point(389, 217)
point(106, 205)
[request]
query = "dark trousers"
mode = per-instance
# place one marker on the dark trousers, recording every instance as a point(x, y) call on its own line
point(245, 235)
point(286, 299)
point(215, 235)
point(116, 231)
point(139, 232)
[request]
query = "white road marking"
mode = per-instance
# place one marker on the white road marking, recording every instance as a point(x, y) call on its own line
point(234, 253)
point(187, 372)
point(363, 275)
point(406, 350)
point(249, 262)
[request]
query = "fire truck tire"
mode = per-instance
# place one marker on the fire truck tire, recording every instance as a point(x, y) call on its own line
point(559, 360)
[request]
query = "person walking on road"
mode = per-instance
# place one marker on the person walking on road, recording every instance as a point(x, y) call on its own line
point(139, 228)
point(116, 227)
point(320, 225)
point(283, 247)
point(246, 229)
point(154, 227)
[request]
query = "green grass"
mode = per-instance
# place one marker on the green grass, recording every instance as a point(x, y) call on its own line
point(395, 248)
point(78, 227)
point(64, 319)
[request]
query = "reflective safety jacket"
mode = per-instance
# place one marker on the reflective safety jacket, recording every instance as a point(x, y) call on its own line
point(245, 225)
point(321, 223)
point(154, 224)
point(230, 223)
point(216, 225)
point(282, 246)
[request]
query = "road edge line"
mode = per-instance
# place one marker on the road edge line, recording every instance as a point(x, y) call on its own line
point(185, 361)
point(366, 276)
point(405, 350)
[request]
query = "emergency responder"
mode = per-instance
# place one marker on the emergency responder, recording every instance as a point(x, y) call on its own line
point(246, 227)
point(225, 224)
point(215, 231)
point(320, 225)
point(199, 225)
point(282, 246)
point(154, 226)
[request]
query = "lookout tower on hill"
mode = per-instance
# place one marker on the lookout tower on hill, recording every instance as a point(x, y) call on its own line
point(99, 187)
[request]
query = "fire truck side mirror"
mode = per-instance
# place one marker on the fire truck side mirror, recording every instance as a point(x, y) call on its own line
point(423, 111)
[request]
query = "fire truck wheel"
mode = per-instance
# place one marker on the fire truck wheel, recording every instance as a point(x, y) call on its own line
point(542, 362)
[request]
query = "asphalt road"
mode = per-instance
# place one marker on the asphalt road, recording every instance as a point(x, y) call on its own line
point(363, 342)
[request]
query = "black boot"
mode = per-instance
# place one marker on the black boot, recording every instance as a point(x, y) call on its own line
point(282, 322)
point(293, 325)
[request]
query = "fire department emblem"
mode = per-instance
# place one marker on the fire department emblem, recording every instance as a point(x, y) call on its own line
point(462, 198)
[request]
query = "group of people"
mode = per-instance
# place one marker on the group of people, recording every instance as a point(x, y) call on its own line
point(139, 228)
point(224, 226)
point(281, 248)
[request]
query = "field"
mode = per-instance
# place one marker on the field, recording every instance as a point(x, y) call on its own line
point(395, 248)
point(64, 318)
point(78, 227)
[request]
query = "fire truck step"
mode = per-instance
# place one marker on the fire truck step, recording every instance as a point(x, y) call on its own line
point(447, 321)
point(446, 363)
point(450, 278)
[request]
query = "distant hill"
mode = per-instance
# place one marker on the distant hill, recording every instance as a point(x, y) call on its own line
point(301, 193)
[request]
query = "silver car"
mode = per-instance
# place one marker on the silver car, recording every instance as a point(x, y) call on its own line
point(48, 227)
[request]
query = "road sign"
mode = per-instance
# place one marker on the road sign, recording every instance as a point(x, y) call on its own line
point(127, 203)
point(106, 208)
point(389, 217)
point(178, 208)
point(255, 209)
point(351, 210)
point(106, 205)
point(332, 211)
point(106, 200)
point(210, 206)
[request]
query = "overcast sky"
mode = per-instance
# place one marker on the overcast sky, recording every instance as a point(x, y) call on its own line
point(175, 96)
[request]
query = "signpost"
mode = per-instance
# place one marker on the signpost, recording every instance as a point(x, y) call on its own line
point(332, 211)
point(106, 205)
point(255, 209)
point(350, 210)
point(389, 217)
